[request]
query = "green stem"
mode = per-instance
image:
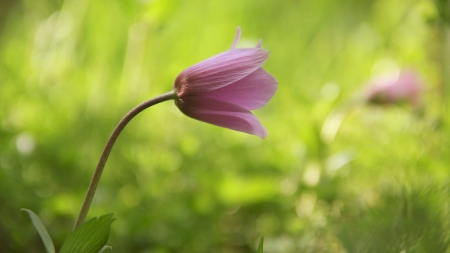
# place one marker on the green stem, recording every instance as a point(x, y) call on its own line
point(108, 147)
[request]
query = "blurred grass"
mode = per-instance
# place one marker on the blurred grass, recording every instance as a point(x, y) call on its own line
point(69, 70)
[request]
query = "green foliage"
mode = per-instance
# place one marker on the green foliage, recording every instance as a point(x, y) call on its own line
point(403, 220)
point(46, 239)
point(375, 180)
point(90, 237)
point(261, 246)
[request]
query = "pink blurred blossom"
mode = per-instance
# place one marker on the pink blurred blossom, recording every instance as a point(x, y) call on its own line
point(400, 87)
point(223, 89)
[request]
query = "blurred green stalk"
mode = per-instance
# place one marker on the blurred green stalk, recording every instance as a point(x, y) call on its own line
point(443, 7)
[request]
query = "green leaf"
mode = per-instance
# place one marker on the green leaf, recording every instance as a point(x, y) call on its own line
point(105, 248)
point(261, 244)
point(41, 230)
point(89, 237)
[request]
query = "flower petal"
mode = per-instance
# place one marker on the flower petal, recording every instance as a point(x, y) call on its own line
point(259, 45)
point(219, 70)
point(236, 38)
point(222, 114)
point(251, 92)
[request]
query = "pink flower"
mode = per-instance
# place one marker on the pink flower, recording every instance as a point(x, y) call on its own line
point(400, 87)
point(223, 89)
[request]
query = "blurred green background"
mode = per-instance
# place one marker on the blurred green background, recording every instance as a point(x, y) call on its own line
point(375, 180)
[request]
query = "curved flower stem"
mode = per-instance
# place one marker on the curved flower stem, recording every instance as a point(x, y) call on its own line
point(109, 145)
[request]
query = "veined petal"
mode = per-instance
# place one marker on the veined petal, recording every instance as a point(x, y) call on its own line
point(251, 92)
point(222, 114)
point(219, 70)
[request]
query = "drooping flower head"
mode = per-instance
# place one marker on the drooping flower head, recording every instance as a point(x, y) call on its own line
point(399, 87)
point(223, 89)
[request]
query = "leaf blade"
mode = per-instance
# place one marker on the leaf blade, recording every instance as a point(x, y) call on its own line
point(90, 237)
point(261, 245)
point(46, 239)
